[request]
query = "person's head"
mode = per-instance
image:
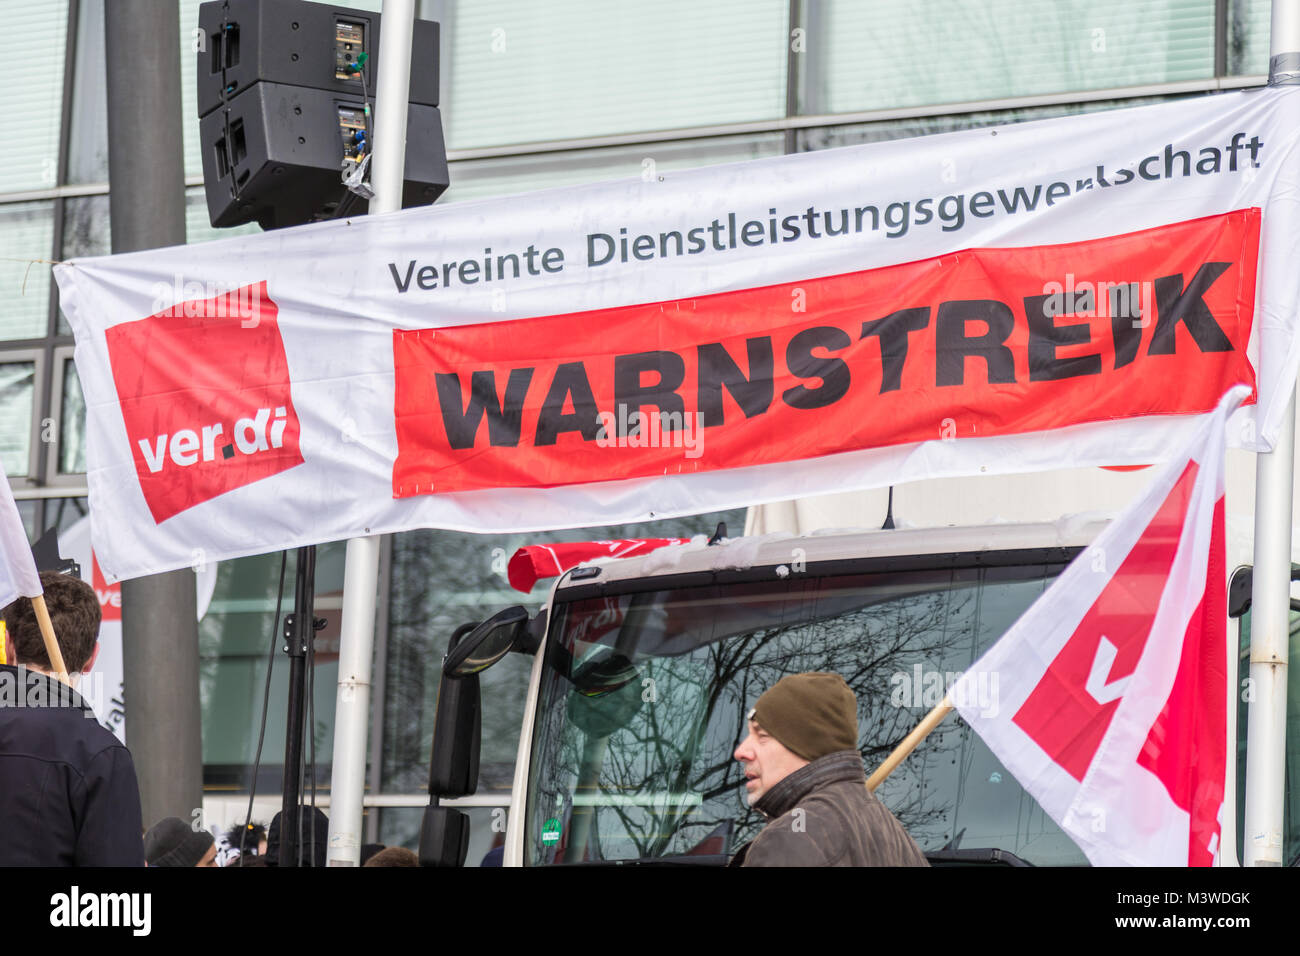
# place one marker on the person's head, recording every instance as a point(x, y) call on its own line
point(253, 838)
point(75, 614)
point(393, 856)
point(173, 842)
point(797, 720)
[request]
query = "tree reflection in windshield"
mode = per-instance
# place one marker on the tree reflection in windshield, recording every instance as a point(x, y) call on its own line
point(643, 703)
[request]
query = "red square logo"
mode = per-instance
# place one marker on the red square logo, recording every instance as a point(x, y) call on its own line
point(204, 391)
point(110, 595)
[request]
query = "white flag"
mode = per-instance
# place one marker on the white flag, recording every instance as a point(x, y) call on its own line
point(1113, 703)
point(18, 576)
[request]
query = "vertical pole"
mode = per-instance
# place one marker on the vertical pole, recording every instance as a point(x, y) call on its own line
point(361, 570)
point(299, 630)
point(160, 641)
point(1269, 637)
point(379, 685)
point(1271, 592)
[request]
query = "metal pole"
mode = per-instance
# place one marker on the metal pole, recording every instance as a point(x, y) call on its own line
point(1271, 591)
point(376, 743)
point(299, 630)
point(361, 570)
point(160, 639)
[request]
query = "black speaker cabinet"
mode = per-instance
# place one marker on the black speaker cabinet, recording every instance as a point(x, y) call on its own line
point(274, 155)
point(296, 43)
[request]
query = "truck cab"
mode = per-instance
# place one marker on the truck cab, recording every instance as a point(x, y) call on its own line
point(644, 668)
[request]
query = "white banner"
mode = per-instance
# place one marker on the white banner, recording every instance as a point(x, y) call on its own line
point(820, 322)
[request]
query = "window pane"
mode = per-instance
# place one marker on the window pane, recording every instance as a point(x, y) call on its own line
point(63, 513)
point(86, 233)
point(567, 68)
point(26, 232)
point(88, 135)
point(858, 133)
point(234, 637)
point(482, 178)
point(17, 384)
point(881, 54)
point(36, 35)
point(72, 427)
point(86, 227)
point(27, 512)
point(1248, 33)
point(189, 18)
point(198, 225)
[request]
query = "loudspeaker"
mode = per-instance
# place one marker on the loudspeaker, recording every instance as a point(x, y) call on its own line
point(300, 44)
point(281, 110)
point(275, 152)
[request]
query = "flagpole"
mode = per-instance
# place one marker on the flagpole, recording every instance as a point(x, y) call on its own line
point(361, 562)
point(922, 730)
point(51, 642)
point(1271, 588)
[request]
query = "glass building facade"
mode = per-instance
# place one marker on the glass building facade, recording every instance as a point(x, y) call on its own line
point(533, 96)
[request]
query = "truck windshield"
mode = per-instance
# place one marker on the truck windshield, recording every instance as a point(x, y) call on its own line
point(644, 695)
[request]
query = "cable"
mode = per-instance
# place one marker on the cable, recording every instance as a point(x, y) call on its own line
point(266, 699)
point(365, 97)
point(350, 196)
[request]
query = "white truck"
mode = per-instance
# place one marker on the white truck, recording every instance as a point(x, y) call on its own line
point(643, 670)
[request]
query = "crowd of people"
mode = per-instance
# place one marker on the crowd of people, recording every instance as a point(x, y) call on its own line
point(174, 842)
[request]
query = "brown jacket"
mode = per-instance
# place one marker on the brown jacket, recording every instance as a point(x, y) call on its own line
point(824, 815)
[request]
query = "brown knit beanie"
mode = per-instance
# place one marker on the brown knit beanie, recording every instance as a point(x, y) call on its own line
point(811, 714)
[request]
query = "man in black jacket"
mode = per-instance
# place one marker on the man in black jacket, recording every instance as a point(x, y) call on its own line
point(68, 791)
point(803, 772)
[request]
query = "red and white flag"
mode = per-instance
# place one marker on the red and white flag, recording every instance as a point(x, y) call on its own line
point(18, 575)
point(1112, 709)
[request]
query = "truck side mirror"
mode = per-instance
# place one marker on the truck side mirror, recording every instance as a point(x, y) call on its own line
point(457, 726)
point(453, 763)
point(487, 643)
point(1240, 590)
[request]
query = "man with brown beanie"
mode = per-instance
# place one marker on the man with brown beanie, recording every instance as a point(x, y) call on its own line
point(803, 772)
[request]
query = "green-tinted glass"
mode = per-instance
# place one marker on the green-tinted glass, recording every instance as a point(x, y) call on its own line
point(26, 233)
point(36, 38)
point(877, 54)
point(1247, 36)
point(529, 72)
point(17, 386)
point(72, 426)
point(483, 178)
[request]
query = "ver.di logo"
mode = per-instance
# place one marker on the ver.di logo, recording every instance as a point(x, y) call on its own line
point(205, 398)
